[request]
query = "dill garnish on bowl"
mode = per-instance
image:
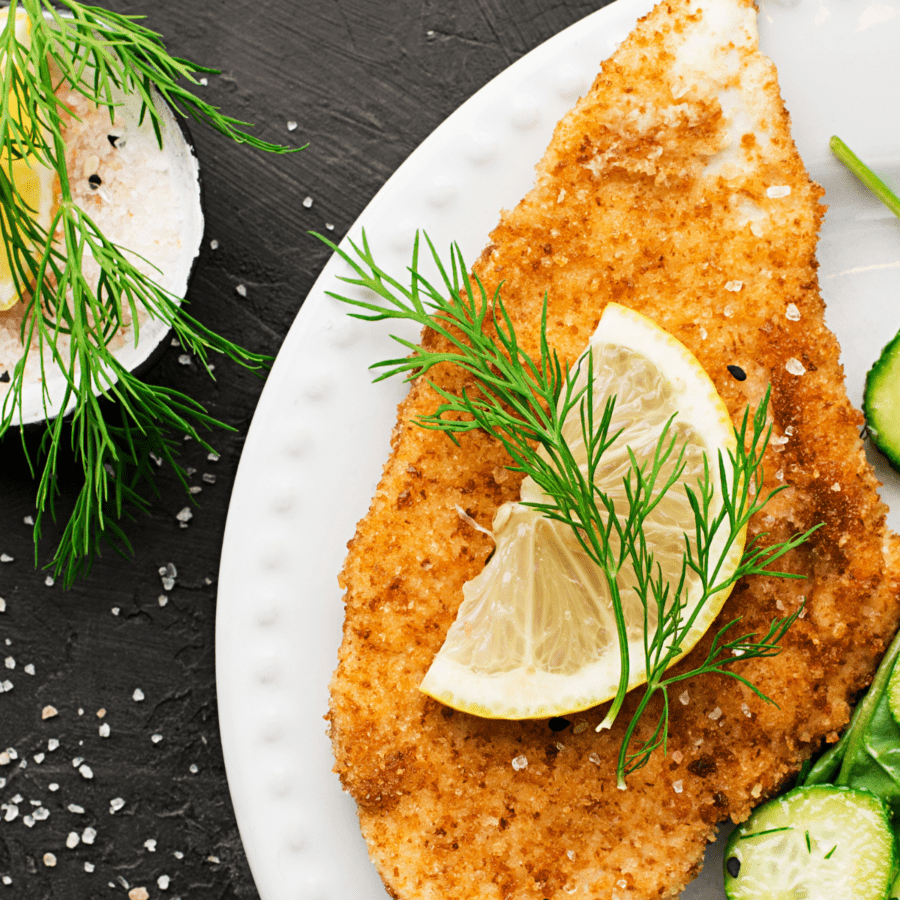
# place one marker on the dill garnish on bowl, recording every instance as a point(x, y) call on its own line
point(85, 306)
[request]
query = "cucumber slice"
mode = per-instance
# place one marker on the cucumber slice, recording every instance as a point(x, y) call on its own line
point(820, 842)
point(881, 402)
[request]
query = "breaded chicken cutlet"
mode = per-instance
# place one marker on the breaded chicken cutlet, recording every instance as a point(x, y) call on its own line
point(672, 187)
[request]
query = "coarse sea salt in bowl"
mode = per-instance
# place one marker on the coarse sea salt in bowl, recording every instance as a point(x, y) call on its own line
point(142, 197)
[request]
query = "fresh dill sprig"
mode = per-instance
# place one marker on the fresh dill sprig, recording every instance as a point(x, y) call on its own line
point(116, 423)
point(740, 481)
point(523, 403)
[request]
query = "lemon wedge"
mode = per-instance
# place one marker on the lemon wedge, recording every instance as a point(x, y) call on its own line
point(536, 634)
point(33, 181)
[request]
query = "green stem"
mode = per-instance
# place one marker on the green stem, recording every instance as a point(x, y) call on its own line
point(865, 175)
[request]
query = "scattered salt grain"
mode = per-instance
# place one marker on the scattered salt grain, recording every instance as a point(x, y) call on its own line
point(184, 359)
point(88, 867)
point(213, 859)
point(28, 821)
point(194, 770)
point(156, 738)
point(792, 313)
point(12, 755)
point(728, 312)
point(519, 763)
point(138, 695)
point(836, 487)
point(213, 457)
point(677, 757)
point(195, 489)
point(678, 786)
point(10, 662)
point(178, 854)
point(49, 860)
point(756, 790)
point(162, 599)
point(213, 244)
point(168, 574)
point(795, 367)
point(29, 669)
point(185, 515)
point(292, 125)
point(209, 478)
point(11, 812)
point(41, 813)
point(52, 743)
point(204, 81)
point(7, 685)
point(6, 558)
point(684, 698)
point(75, 808)
point(746, 710)
point(77, 761)
point(2, 605)
point(716, 714)
point(307, 202)
point(138, 893)
point(88, 835)
point(7, 879)
point(150, 844)
point(778, 190)
point(38, 758)
point(72, 841)
point(163, 882)
point(329, 226)
point(734, 286)
point(28, 520)
point(53, 787)
point(116, 804)
point(115, 610)
point(49, 581)
point(241, 291)
point(594, 758)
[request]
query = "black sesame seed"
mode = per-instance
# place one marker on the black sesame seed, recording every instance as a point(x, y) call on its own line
point(733, 866)
point(112, 138)
point(4, 378)
point(95, 181)
point(558, 723)
point(738, 373)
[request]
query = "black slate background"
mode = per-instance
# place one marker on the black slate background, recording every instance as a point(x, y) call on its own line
point(366, 81)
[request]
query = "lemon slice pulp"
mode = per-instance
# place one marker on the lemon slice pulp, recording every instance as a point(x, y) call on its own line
point(535, 635)
point(32, 180)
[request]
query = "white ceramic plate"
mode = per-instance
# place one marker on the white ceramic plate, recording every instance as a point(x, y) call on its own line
point(321, 431)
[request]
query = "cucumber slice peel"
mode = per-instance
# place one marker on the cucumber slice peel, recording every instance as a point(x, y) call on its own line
point(820, 842)
point(881, 402)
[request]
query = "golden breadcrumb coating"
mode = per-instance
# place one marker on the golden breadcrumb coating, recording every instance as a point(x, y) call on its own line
point(672, 187)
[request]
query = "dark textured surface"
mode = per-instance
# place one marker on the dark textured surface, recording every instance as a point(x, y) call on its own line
point(366, 82)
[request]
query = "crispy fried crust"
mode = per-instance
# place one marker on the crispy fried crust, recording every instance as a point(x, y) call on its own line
point(652, 195)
